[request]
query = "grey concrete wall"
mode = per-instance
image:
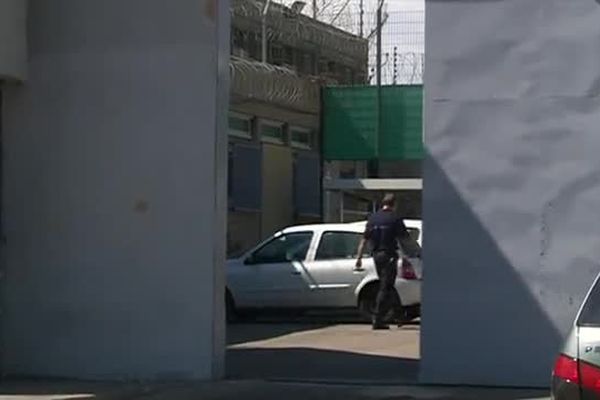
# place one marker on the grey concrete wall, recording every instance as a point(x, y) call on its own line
point(512, 184)
point(114, 195)
point(13, 39)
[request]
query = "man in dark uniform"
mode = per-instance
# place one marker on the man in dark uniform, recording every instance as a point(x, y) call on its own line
point(384, 230)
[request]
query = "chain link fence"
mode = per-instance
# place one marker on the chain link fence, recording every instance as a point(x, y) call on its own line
point(402, 33)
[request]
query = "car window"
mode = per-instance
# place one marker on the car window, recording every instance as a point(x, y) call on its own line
point(590, 313)
point(414, 233)
point(284, 248)
point(338, 245)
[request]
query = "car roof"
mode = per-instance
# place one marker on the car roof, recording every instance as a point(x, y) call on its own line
point(324, 227)
point(348, 227)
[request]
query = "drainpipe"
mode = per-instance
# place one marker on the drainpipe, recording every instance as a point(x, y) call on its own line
point(265, 12)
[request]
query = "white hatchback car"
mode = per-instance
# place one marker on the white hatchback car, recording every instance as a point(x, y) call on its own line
point(313, 267)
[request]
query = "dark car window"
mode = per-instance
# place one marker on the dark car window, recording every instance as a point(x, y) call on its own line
point(284, 248)
point(590, 313)
point(338, 245)
point(414, 233)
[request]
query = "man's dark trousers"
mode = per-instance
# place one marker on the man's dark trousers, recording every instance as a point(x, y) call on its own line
point(387, 270)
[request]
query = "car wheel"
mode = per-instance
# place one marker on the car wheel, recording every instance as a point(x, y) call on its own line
point(368, 299)
point(412, 312)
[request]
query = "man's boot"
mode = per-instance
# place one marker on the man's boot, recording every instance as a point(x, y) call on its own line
point(379, 325)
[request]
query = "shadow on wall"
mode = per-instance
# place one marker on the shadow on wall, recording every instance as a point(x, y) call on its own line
point(481, 323)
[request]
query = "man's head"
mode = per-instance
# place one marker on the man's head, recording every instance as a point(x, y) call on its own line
point(389, 201)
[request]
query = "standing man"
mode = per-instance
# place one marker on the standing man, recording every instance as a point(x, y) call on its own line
point(384, 231)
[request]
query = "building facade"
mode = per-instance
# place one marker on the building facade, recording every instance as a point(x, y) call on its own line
point(274, 121)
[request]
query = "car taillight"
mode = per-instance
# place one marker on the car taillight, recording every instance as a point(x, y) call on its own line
point(589, 376)
point(407, 271)
point(578, 372)
point(566, 369)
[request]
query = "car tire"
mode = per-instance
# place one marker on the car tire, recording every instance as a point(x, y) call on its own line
point(411, 313)
point(367, 300)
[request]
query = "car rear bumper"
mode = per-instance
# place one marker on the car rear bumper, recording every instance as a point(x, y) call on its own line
point(562, 390)
point(409, 291)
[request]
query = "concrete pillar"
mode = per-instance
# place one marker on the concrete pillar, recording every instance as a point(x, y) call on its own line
point(13, 39)
point(512, 185)
point(114, 197)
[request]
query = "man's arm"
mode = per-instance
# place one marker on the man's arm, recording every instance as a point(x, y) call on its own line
point(362, 244)
point(361, 249)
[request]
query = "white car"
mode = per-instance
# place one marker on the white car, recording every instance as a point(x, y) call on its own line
point(313, 267)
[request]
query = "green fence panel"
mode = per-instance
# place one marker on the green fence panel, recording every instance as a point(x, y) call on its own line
point(350, 128)
point(401, 134)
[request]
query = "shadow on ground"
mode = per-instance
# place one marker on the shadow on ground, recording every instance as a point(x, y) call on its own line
point(316, 365)
point(272, 327)
point(245, 333)
point(27, 389)
point(247, 390)
point(305, 360)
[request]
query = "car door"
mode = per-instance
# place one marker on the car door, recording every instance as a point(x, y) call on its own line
point(333, 269)
point(274, 275)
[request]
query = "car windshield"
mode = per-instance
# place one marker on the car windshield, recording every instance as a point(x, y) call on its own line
point(590, 313)
point(283, 248)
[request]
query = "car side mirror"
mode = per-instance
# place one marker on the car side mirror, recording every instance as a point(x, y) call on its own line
point(250, 260)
